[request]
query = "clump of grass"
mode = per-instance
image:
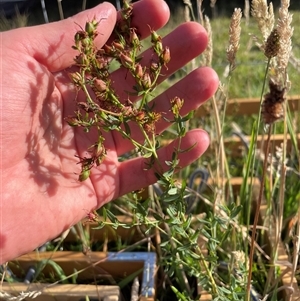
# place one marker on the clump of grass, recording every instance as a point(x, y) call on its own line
point(19, 20)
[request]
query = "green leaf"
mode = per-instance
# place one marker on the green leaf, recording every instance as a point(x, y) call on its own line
point(188, 116)
point(173, 191)
point(127, 128)
point(148, 155)
point(112, 217)
point(235, 211)
point(129, 278)
point(171, 212)
point(171, 198)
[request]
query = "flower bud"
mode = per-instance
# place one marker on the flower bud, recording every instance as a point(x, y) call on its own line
point(117, 46)
point(84, 175)
point(127, 111)
point(100, 85)
point(90, 27)
point(86, 42)
point(125, 60)
point(139, 70)
point(127, 6)
point(107, 49)
point(158, 47)
point(81, 59)
point(154, 66)
point(93, 216)
point(146, 80)
point(156, 41)
point(149, 127)
point(155, 37)
point(84, 106)
point(72, 121)
point(177, 104)
point(165, 56)
point(133, 38)
point(79, 36)
point(101, 62)
point(98, 150)
point(75, 78)
point(126, 11)
point(140, 116)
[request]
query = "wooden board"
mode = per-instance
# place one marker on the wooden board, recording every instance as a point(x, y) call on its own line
point(64, 292)
point(248, 106)
point(236, 145)
point(96, 266)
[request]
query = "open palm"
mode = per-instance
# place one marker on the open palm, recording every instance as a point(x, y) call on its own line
point(41, 195)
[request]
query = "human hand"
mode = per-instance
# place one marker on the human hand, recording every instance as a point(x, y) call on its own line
point(41, 195)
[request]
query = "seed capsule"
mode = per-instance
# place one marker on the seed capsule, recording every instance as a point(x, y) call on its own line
point(146, 80)
point(100, 85)
point(133, 38)
point(117, 46)
point(90, 27)
point(125, 60)
point(139, 70)
point(84, 175)
point(165, 57)
point(72, 121)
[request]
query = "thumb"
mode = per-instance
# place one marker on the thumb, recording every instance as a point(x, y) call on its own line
point(51, 44)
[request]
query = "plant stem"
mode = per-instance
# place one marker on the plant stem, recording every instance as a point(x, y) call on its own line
point(258, 205)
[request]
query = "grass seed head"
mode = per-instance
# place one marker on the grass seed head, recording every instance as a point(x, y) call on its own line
point(273, 44)
point(234, 37)
point(285, 31)
point(264, 16)
point(273, 104)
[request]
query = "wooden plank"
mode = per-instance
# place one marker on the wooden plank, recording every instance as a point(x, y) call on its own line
point(236, 145)
point(94, 262)
point(97, 266)
point(248, 106)
point(235, 183)
point(64, 292)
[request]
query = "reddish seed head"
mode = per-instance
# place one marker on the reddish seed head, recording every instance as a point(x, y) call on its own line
point(72, 121)
point(117, 46)
point(166, 57)
point(107, 49)
point(79, 36)
point(140, 116)
point(125, 60)
point(75, 77)
point(100, 85)
point(81, 59)
point(133, 38)
point(139, 70)
point(273, 104)
point(154, 66)
point(146, 80)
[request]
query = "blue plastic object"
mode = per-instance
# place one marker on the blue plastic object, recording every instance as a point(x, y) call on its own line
point(149, 259)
